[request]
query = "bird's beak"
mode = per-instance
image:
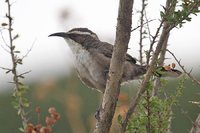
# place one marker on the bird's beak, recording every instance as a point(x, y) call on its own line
point(60, 34)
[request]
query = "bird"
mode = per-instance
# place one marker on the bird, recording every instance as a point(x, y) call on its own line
point(92, 59)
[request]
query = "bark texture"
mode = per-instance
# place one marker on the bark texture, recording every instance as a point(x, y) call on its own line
point(163, 38)
point(112, 91)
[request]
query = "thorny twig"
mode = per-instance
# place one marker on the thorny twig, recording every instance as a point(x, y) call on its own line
point(8, 69)
point(24, 73)
point(151, 69)
point(153, 42)
point(157, 82)
point(148, 27)
point(14, 58)
point(182, 67)
point(141, 31)
point(148, 21)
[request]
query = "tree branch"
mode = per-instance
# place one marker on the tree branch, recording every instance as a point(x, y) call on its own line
point(15, 62)
point(141, 31)
point(182, 67)
point(161, 61)
point(153, 42)
point(147, 23)
point(112, 91)
point(151, 69)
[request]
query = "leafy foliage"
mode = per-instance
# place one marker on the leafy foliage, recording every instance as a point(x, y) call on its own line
point(154, 112)
point(182, 12)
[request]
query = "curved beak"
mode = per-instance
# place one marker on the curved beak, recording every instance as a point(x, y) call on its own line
point(59, 34)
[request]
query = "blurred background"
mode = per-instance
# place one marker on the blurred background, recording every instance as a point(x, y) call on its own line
point(53, 81)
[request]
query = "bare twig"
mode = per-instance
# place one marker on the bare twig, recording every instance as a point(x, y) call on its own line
point(29, 50)
point(148, 108)
point(182, 67)
point(8, 69)
point(141, 31)
point(148, 27)
point(4, 39)
point(151, 69)
point(112, 90)
point(148, 21)
point(16, 81)
point(153, 42)
point(24, 73)
point(161, 61)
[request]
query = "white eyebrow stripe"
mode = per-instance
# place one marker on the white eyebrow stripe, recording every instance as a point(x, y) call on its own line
point(80, 32)
point(83, 33)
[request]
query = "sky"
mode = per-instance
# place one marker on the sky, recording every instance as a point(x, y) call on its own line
point(50, 58)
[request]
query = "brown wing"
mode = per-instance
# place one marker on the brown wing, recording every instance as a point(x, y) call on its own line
point(106, 49)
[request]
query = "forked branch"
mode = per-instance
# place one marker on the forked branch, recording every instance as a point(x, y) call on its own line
point(151, 69)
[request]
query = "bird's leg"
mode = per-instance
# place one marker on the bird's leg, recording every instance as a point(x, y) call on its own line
point(98, 111)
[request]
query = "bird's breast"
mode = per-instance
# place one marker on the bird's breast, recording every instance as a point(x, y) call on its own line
point(88, 68)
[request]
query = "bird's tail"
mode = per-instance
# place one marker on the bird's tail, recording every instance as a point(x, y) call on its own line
point(137, 70)
point(164, 71)
point(133, 72)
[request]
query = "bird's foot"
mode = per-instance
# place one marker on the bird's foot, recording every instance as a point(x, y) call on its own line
point(97, 113)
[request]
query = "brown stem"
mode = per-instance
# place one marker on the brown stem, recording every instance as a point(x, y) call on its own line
point(151, 69)
point(153, 42)
point(161, 61)
point(148, 96)
point(112, 91)
point(141, 32)
point(14, 65)
point(182, 67)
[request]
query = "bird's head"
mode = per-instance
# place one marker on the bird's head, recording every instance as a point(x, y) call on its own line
point(77, 34)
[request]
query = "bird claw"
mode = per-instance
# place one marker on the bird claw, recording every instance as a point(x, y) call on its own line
point(97, 113)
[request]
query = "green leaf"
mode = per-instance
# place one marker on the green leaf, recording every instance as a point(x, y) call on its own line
point(21, 129)
point(4, 24)
point(16, 36)
point(120, 119)
point(8, 71)
point(20, 76)
point(17, 51)
point(13, 47)
point(26, 104)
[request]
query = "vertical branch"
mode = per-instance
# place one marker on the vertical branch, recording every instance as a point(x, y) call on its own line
point(141, 31)
point(112, 90)
point(148, 27)
point(15, 62)
point(151, 69)
point(161, 61)
point(148, 107)
point(153, 42)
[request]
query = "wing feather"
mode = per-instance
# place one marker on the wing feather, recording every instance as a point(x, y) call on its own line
point(106, 49)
